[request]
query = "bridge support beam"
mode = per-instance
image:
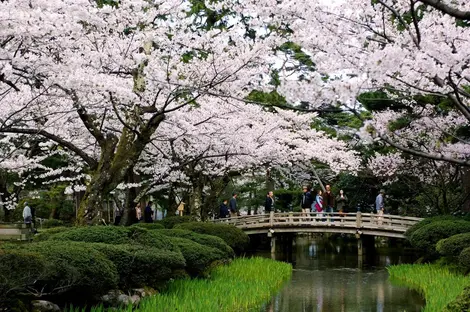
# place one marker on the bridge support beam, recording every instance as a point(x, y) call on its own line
point(360, 249)
point(273, 244)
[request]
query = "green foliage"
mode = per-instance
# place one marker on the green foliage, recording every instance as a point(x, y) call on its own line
point(438, 284)
point(233, 236)
point(426, 237)
point(206, 240)
point(139, 266)
point(269, 98)
point(295, 51)
point(461, 303)
point(152, 239)
point(75, 267)
point(19, 269)
point(95, 234)
point(44, 235)
point(427, 221)
point(452, 246)
point(170, 222)
point(197, 257)
point(149, 226)
point(50, 223)
point(244, 285)
point(464, 259)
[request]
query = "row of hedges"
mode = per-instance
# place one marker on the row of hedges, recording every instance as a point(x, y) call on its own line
point(446, 236)
point(89, 261)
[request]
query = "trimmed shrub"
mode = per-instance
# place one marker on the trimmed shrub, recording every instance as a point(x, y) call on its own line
point(51, 223)
point(198, 257)
point(95, 234)
point(233, 236)
point(139, 266)
point(170, 222)
point(426, 237)
point(453, 246)
point(151, 239)
point(47, 234)
point(149, 226)
point(461, 303)
point(203, 239)
point(427, 221)
point(19, 269)
point(464, 259)
point(75, 267)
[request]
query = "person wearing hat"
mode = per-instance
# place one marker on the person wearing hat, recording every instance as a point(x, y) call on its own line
point(379, 206)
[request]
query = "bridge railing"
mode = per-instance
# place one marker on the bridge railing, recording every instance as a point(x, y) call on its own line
point(353, 220)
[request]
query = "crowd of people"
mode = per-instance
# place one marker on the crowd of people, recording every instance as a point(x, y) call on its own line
point(319, 202)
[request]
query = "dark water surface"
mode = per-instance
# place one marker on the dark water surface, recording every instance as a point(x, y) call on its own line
point(329, 276)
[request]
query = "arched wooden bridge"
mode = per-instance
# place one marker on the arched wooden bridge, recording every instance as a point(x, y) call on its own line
point(348, 223)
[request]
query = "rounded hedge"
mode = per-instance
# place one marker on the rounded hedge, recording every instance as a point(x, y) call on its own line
point(139, 266)
point(75, 267)
point(48, 233)
point(198, 257)
point(233, 236)
point(426, 237)
point(203, 239)
point(148, 238)
point(464, 259)
point(19, 270)
point(427, 221)
point(170, 222)
point(95, 234)
point(453, 246)
point(149, 226)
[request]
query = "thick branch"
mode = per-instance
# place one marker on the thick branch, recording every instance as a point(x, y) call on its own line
point(89, 160)
point(444, 8)
point(425, 155)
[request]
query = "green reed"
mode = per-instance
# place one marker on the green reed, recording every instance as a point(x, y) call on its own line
point(244, 285)
point(438, 284)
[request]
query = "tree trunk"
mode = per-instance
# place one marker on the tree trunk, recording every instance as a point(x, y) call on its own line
point(172, 205)
point(195, 199)
point(466, 189)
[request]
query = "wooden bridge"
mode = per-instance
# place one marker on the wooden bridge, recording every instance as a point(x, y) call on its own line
point(348, 223)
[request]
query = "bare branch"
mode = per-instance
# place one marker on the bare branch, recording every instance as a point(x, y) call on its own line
point(447, 9)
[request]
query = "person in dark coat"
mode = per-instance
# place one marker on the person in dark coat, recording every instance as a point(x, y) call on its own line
point(233, 205)
point(269, 202)
point(148, 213)
point(223, 210)
point(306, 202)
point(328, 201)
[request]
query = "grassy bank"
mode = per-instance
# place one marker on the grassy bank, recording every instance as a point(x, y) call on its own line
point(244, 285)
point(438, 284)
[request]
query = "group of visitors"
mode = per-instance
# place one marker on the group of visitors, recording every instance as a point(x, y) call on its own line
point(230, 210)
point(323, 201)
point(147, 216)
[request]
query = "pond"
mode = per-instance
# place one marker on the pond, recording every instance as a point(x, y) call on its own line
point(329, 276)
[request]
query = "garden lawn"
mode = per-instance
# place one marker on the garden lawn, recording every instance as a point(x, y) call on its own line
point(438, 284)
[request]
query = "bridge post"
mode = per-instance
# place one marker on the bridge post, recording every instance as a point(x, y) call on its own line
point(359, 246)
point(273, 244)
point(358, 220)
point(271, 218)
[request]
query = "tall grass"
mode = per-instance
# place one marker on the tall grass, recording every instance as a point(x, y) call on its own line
point(438, 284)
point(244, 285)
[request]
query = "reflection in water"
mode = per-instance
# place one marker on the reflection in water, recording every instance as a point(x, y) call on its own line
point(329, 277)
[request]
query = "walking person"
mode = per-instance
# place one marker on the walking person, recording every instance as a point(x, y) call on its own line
point(138, 212)
point(341, 202)
point(379, 206)
point(318, 205)
point(148, 213)
point(117, 215)
point(223, 210)
point(329, 202)
point(306, 202)
point(269, 202)
point(27, 216)
point(233, 205)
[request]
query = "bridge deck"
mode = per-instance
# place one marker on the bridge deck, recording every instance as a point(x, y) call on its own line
point(349, 223)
